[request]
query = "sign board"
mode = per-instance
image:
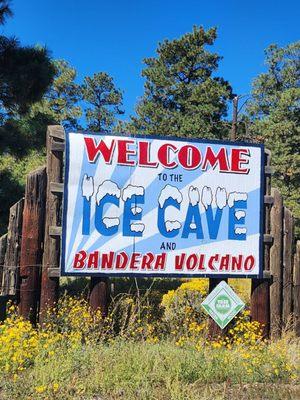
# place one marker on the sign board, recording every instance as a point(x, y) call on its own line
point(159, 206)
point(222, 304)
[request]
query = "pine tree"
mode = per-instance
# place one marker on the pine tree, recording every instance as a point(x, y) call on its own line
point(103, 100)
point(60, 104)
point(275, 114)
point(182, 96)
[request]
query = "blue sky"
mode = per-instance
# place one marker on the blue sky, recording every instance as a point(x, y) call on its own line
point(114, 36)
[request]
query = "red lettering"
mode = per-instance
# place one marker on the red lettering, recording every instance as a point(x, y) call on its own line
point(107, 260)
point(134, 260)
point(237, 160)
point(94, 150)
point(249, 263)
point(163, 155)
point(93, 260)
point(124, 152)
point(236, 263)
point(144, 155)
point(191, 262)
point(211, 260)
point(147, 261)
point(179, 260)
point(160, 261)
point(79, 260)
point(201, 262)
point(224, 263)
point(121, 260)
point(212, 159)
point(189, 157)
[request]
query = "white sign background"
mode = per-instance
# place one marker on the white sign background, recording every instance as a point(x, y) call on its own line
point(212, 219)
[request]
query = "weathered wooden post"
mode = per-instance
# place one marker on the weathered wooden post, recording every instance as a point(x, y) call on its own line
point(50, 280)
point(3, 299)
point(260, 293)
point(10, 279)
point(32, 243)
point(276, 264)
point(296, 289)
point(99, 295)
point(287, 281)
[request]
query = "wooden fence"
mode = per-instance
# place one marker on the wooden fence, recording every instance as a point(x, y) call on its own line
point(30, 252)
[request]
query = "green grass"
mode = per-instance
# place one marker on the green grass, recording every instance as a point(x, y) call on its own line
point(143, 371)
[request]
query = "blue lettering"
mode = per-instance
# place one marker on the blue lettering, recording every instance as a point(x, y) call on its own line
point(100, 226)
point(161, 218)
point(129, 216)
point(233, 221)
point(193, 217)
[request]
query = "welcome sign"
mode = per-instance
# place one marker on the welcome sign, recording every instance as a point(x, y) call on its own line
point(158, 206)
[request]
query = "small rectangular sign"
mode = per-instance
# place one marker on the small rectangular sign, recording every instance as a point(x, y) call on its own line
point(159, 206)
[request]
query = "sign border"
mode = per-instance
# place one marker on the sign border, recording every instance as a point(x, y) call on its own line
point(63, 272)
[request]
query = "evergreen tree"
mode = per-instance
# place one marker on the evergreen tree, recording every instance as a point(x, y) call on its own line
point(5, 11)
point(275, 115)
point(103, 100)
point(25, 75)
point(60, 104)
point(182, 96)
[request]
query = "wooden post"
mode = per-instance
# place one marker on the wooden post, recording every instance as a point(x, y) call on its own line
point(260, 293)
point(99, 295)
point(288, 240)
point(32, 241)
point(3, 245)
point(50, 284)
point(276, 220)
point(296, 289)
point(3, 299)
point(10, 279)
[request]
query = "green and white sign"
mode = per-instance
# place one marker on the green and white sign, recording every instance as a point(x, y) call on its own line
point(222, 304)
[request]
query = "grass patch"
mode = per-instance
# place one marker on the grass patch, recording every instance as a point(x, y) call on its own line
point(144, 371)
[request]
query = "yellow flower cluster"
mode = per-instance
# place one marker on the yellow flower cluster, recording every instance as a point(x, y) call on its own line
point(242, 288)
point(73, 319)
point(198, 285)
point(73, 330)
point(70, 322)
point(18, 344)
point(244, 332)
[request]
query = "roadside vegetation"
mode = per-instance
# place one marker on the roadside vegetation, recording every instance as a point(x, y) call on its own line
point(147, 348)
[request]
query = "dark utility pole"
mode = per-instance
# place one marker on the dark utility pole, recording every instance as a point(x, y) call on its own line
point(234, 118)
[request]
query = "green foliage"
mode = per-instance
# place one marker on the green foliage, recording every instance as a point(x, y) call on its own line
point(137, 370)
point(104, 102)
point(25, 75)
point(23, 135)
point(60, 103)
point(182, 97)
point(13, 172)
point(275, 114)
point(5, 11)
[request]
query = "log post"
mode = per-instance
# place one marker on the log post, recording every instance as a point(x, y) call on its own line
point(50, 284)
point(296, 290)
point(276, 220)
point(32, 242)
point(3, 299)
point(10, 279)
point(99, 295)
point(260, 288)
point(288, 239)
